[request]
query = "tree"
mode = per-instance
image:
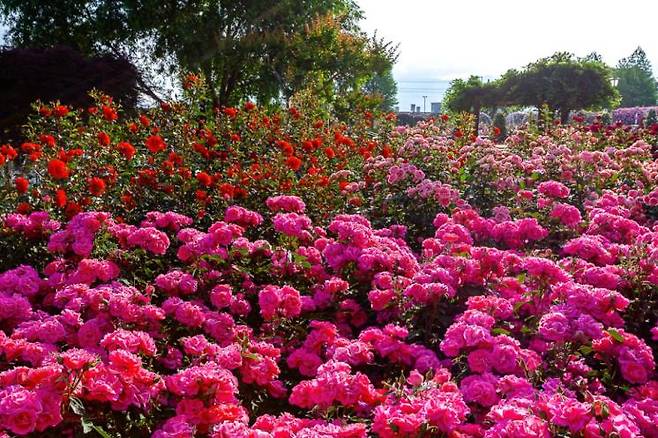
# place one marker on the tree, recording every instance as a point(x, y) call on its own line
point(59, 73)
point(562, 83)
point(471, 96)
point(245, 48)
point(594, 56)
point(94, 28)
point(383, 87)
point(335, 64)
point(637, 84)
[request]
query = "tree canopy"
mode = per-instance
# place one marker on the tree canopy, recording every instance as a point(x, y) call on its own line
point(245, 48)
point(471, 96)
point(561, 82)
point(637, 84)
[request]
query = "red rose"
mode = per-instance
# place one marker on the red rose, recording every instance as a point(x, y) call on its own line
point(61, 110)
point(285, 147)
point(72, 209)
point(227, 190)
point(58, 169)
point(23, 208)
point(103, 139)
point(231, 112)
point(96, 186)
point(201, 195)
point(9, 152)
point(155, 144)
point(47, 139)
point(126, 149)
point(21, 184)
point(294, 163)
point(355, 201)
point(109, 113)
point(204, 179)
point(60, 198)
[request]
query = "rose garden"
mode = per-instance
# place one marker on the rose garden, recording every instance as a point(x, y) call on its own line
point(249, 272)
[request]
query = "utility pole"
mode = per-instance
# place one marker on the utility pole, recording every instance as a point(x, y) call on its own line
point(424, 100)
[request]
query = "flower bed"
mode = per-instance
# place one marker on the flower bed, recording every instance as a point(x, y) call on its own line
point(433, 286)
point(633, 115)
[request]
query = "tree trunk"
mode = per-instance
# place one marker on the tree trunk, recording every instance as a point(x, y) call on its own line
point(564, 115)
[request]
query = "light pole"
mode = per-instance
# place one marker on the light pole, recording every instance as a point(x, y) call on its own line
point(424, 100)
point(614, 81)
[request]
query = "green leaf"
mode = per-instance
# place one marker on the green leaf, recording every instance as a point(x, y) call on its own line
point(585, 349)
point(87, 426)
point(526, 330)
point(252, 356)
point(76, 406)
point(99, 430)
point(615, 335)
point(518, 306)
point(500, 331)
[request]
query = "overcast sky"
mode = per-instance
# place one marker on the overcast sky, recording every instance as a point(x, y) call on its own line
point(443, 40)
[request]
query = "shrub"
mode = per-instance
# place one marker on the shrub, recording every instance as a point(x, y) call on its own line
point(59, 73)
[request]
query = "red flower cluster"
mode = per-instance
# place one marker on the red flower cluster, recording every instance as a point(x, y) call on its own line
point(155, 144)
point(21, 184)
point(96, 186)
point(58, 169)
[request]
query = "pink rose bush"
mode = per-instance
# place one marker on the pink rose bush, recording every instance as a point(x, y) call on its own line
point(461, 290)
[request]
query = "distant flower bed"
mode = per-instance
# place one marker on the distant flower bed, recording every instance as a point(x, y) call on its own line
point(632, 115)
point(252, 273)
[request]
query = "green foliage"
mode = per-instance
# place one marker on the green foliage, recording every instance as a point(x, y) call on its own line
point(244, 48)
point(560, 82)
point(383, 86)
point(637, 84)
point(563, 83)
point(471, 96)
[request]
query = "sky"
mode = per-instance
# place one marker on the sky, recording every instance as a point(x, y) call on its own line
point(443, 40)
